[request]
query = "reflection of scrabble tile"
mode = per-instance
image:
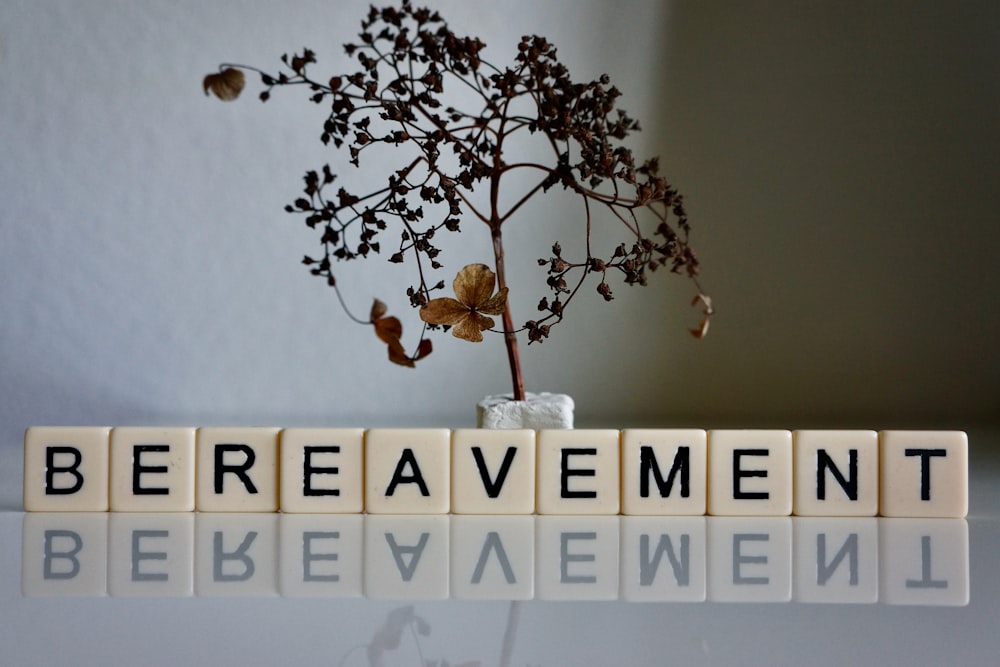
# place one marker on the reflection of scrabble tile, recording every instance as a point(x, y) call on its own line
point(664, 471)
point(663, 559)
point(576, 557)
point(236, 555)
point(151, 555)
point(237, 469)
point(750, 472)
point(924, 562)
point(924, 473)
point(835, 559)
point(492, 471)
point(836, 473)
point(406, 557)
point(66, 469)
point(320, 555)
point(322, 470)
point(578, 472)
point(64, 554)
point(152, 469)
point(749, 559)
point(407, 471)
point(493, 557)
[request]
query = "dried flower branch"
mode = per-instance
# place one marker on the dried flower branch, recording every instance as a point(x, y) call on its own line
point(459, 159)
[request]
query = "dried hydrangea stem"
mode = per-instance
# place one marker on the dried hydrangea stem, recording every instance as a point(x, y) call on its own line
point(509, 335)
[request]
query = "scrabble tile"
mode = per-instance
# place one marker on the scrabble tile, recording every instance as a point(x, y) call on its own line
point(408, 471)
point(492, 471)
point(492, 557)
point(835, 560)
point(151, 555)
point(663, 559)
point(237, 469)
point(66, 469)
point(236, 555)
point(836, 473)
point(322, 470)
point(924, 562)
point(924, 473)
point(749, 559)
point(152, 469)
point(64, 554)
point(664, 472)
point(578, 471)
point(406, 557)
point(750, 473)
point(576, 557)
point(321, 555)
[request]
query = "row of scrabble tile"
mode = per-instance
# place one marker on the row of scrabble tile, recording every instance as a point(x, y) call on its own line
point(637, 559)
point(477, 471)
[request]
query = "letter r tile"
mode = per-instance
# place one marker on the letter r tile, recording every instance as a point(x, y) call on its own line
point(237, 469)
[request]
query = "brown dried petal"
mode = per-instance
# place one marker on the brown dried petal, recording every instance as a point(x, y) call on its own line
point(496, 305)
point(472, 326)
point(388, 329)
point(378, 310)
point(397, 354)
point(443, 311)
point(474, 285)
point(226, 85)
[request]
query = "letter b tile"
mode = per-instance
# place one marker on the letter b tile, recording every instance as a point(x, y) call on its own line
point(66, 469)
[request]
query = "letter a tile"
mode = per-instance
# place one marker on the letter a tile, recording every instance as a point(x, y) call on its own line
point(407, 471)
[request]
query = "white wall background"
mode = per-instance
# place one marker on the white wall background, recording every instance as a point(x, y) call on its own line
point(839, 161)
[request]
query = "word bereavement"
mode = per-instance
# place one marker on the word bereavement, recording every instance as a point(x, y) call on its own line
point(477, 471)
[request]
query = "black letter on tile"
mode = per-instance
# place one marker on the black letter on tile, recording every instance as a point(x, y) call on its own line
point(739, 559)
point(308, 469)
point(739, 474)
point(240, 554)
point(415, 477)
point(308, 557)
point(849, 485)
point(406, 570)
point(565, 557)
point(494, 543)
point(72, 469)
point(238, 470)
point(824, 570)
point(567, 473)
point(49, 572)
point(648, 466)
point(138, 555)
point(493, 487)
point(925, 468)
point(648, 567)
point(138, 469)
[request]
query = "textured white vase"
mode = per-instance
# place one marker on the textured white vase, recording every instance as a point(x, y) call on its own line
point(537, 411)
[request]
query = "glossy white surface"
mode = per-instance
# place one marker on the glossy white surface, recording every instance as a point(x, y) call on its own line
point(272, 615)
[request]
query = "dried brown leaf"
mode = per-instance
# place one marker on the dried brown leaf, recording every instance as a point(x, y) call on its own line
point(226, 84)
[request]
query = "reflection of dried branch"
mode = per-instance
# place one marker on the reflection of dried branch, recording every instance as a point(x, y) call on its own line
point(389, 637)
point(510, 634)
